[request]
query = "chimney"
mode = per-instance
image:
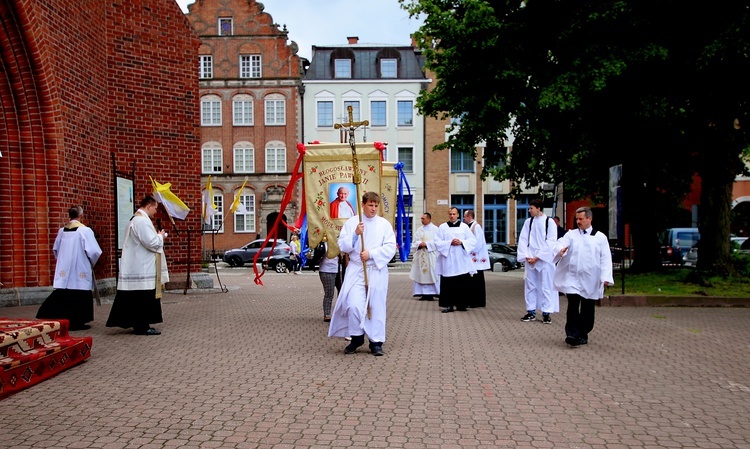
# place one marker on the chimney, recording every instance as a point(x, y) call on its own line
point(353, 39)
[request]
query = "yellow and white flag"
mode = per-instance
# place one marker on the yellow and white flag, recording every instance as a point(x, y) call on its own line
point(237, 206)
point(174, 206)
point(209, 207)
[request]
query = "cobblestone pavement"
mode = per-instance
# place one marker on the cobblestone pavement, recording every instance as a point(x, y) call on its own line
point(253, 368)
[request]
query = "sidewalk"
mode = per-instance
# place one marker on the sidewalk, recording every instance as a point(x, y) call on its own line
point(253, 368)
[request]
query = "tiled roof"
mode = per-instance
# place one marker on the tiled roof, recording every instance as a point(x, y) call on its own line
point(365, 64)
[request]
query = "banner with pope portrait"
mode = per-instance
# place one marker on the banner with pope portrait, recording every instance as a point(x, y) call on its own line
point(331, 195)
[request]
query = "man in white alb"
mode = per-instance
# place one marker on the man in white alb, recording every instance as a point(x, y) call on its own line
point(454, 242)
point(424, 256)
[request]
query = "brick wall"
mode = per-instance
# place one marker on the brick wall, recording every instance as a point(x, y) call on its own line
point(85, 79)
point(437, 165)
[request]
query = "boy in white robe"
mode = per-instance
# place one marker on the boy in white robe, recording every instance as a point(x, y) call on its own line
point(583, 270)
point(535, 249)
point(424, 256)
point(361, 309)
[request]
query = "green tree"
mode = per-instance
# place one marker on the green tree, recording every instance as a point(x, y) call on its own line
point(659, 87)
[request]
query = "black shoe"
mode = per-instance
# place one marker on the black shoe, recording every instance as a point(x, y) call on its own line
point(583, 341)
point(428, 298)
point(572, 341)
point(528, 317)
point(448, 310)
point(357, 341)
point(422, 298)
point(546, 319)
point(376, 349)
point(149, 331)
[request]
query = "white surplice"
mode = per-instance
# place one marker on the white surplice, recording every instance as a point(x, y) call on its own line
point(586, 266)
point(454, 260)
point(350, 313)
point(140, 248)
point(426, 281)
point(76, 251)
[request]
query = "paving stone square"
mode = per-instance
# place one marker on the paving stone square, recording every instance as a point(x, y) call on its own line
point(253, 368)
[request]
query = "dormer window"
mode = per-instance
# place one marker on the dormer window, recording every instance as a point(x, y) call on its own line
point(342, 63)
point(226, 28)
point(342, 68)
point(389, 68)
point(387, 60)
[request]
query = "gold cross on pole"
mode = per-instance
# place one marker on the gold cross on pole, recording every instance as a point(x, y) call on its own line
point(350, 126)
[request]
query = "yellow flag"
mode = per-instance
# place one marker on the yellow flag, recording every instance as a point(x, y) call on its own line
point(236, 204)
point(174, 206)
point(209, 207)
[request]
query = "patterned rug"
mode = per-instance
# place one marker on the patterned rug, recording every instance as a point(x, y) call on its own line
point(34, 350)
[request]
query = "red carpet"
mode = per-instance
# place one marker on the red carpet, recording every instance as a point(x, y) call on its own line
point(34, 350)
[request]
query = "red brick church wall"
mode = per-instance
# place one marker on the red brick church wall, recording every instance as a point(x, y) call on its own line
point(84, 79)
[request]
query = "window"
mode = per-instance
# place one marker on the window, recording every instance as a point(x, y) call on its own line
point(377, 113)
point(244, 157)
point(211, 155)
point(355, 110)
point(218, 219)
point(275, 158)
point(211, 110)
point(461, 162)
point(325, 114)
point(462, 203)
point(242, 109)
point(205, 66)
point(225, 26)
point(250, 66)
point(406, 155)
point(245, 222)
point(275, 110)
point(405, 113)
point(388, 68)
point(342, 68)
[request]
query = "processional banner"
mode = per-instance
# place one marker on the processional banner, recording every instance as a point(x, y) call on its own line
point(330, 193)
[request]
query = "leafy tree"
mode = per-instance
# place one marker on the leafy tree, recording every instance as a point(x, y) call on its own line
point(659, 87)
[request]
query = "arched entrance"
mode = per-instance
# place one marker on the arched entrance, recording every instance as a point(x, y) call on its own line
point(282, 231)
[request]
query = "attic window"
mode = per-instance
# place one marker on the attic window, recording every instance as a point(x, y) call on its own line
point(226, 27)
point(342, 62)
point(387, 59)
point(342, 68)
point(389, 68)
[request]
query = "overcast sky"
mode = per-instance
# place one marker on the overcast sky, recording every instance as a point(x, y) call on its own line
point(326, 22)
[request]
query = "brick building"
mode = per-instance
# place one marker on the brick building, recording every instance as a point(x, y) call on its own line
point(87, 86)
point(249, 94)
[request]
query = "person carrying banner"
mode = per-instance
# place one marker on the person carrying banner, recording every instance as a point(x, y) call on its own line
point(361, 307)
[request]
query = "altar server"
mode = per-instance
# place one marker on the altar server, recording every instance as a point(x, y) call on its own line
point(480, 256)
point(76, 251)
point(454, 242)
point(536, 249)
point(361, 309)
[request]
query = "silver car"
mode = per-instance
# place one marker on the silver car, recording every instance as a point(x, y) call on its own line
point(240, 256)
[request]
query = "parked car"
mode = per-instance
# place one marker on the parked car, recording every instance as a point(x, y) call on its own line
point(280, 262)
point(691, 257)
point(675, 243)
point(503, 254)
point(240, 256)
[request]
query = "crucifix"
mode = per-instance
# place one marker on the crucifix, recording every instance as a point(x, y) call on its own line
point(350, 127)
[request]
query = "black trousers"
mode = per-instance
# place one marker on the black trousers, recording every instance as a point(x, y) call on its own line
point(580, 316)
